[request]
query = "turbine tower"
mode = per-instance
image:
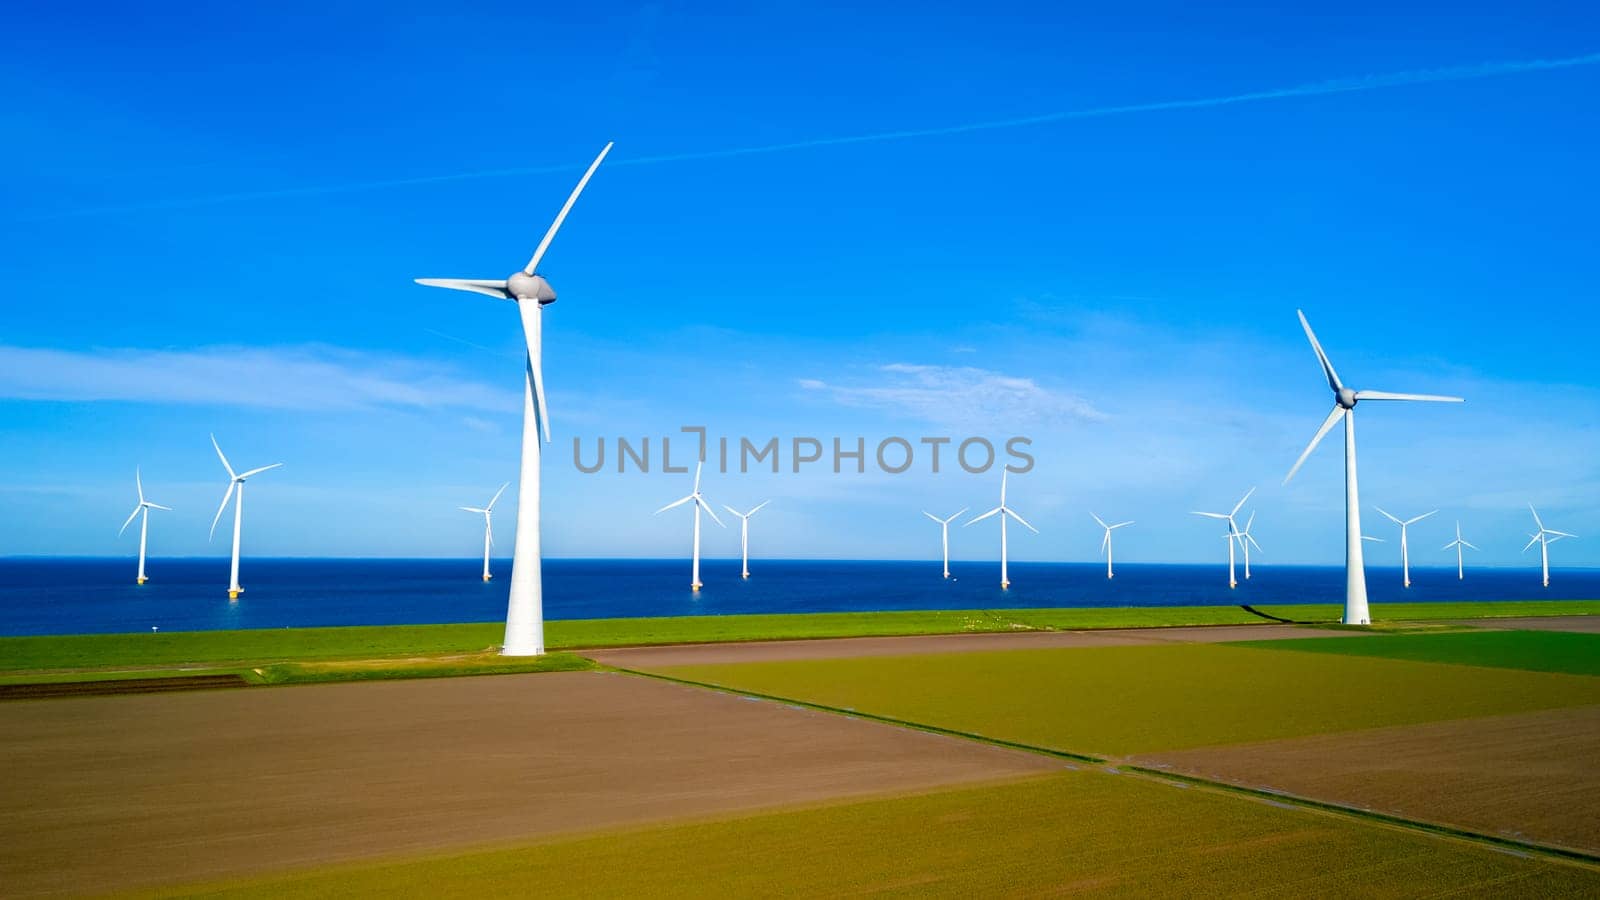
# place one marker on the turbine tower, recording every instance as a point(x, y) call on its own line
point(1105, 543)
point(1458, 544)
point(488, 526)
point(1344, 407)
point(144, 527)
point(1544, 538)
point(1233, 532)
point(944, 535)
point(235, 482)
point(531, 292)
point(744, 536)
point(1405, 552)
point(699, 504)
point(1003, 511)
point(1247, 540)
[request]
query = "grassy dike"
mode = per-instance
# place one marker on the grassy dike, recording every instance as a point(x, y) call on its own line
point(320, 654)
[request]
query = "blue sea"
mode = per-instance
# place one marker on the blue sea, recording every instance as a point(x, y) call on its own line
point(80, 595)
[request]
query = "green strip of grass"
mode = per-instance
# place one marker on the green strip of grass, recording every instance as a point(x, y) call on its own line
point(369, 642)
point(1536, 651)
point(1080, 832)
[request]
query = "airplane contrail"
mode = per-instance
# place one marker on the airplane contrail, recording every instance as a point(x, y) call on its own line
point(1314, 89)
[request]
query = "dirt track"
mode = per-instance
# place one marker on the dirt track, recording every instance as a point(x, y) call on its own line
point(844, 648)
point(1531, 776)
point(120, 792)
point(1585, 624)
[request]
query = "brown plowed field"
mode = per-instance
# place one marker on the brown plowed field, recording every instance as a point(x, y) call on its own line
point(119, 792)
point(1531, 776)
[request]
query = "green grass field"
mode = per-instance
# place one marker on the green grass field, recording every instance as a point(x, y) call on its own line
point(1085, 832)
point(1116, 701)
point(1536, 651)
point(256, 648)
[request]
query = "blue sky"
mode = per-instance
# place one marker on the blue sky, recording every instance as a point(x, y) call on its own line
point(209, 221)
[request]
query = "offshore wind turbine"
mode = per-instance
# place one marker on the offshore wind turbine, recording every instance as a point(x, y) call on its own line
point(1105, 543)
point(1344, 407)
point(1544, 538)
point(531, 292)
point(144, 527)
point(488, 526)
point(944, 535)
point(1405, 552)
point(1003, 511)
point(1233, 531)
point(1458, 544)
point(699, 504)
point(235, 483)
point(744, 536)
point(1247, 540)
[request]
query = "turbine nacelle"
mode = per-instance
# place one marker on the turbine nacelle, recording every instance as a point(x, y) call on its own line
point(1346, 398)
point(523, 286)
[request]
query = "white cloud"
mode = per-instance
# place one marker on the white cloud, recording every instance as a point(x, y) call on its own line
point(308, 378)
point(958, 395)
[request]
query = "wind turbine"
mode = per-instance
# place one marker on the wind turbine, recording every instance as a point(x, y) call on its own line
point(1105, 543)
point(235, 482)
point(944, 535)
point(488, 526)
point(1544, 538)
point(1246, 541)
point(530, 291)
point(1233, 531)
point(144, 527)
point(1458, 544)
point(699, 504)
point(744, 536)
point(1405, 552)
point(1344, 407)
point(1002, 511)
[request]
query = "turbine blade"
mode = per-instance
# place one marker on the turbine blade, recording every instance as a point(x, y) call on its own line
point(224, 459)
point(674, 503)
point(488, 531)
point(1122, 524)
point(1466, 544)
point(954, 516)
point(1240, 504)
point(1327, 365)
point(756, 508)
point(1104, 542)
point(732, 510)
point(933, 517)
point(138, 483)
point(709, 511)
point(1250, 521)
point(533, 264)
point(1327, 425)
point(131, 516)
point(1559, 533)
point(697, 467)
point(158, 506)
point(1387, 516)
point(532, 331)
point(992, 512)
point(496, 497)
point(1386, 395)
point(1210, 515)
point(486, 287)
point(1098, 521)
point(472, 509)
point(225, 498)
point(1420, 518)
point(1252, 541)
point(1024, 522)
point(1004, 473)
point(1374, 540)
point(1536, 519)
point(260, 470)
point(1531, 541)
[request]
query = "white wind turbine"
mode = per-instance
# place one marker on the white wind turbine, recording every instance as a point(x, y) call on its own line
point(1248, 540)
point(1544, 538)
point(1105, 543)
point(235, 483)
point(1233, 531)
point(699, 504)
point(1344, 407)
point(144, 527)
point(744, 536)
point(1405, 552)
point(944, 535)
point(1458, 544)
point(1003, 511)
point(488, 525)
point(530, 291)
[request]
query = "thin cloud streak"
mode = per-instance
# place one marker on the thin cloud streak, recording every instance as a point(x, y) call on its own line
point(1314, 89)
point(958, 396)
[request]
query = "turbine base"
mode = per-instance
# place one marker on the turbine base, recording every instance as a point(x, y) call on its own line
point(234, 594)
point(745, 575)
point(695, 587)
point(141, 580)
point(488, 578)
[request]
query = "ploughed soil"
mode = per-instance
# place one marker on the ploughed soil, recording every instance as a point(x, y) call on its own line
point(1531, 776)
point(1585, 624)
point(46, 690)
point(845, 648)
point(105, 793)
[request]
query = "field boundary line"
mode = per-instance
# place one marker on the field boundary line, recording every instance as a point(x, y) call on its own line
point(1496, 842)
